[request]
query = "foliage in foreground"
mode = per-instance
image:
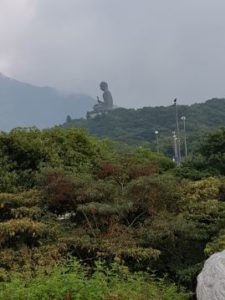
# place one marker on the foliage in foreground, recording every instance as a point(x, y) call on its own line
point(73, 282)
point(82, 199)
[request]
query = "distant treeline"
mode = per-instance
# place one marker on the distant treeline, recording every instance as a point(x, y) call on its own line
point(136, 127)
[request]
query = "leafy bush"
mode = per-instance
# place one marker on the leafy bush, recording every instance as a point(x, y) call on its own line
point(24, 152)
point(154, 194)
point(72, 282)
point(19, 205)
point(22, 231)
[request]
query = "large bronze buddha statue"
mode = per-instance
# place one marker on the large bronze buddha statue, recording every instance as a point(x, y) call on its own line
point(106, 104)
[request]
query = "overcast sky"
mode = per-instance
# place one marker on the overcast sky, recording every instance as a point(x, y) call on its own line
point(149, 51)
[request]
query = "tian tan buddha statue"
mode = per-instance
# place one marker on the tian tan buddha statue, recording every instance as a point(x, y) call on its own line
point(106, 104)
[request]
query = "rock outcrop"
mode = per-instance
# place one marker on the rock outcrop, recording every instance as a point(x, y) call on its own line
point(211, 281)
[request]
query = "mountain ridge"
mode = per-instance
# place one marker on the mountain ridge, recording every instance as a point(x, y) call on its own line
point(27, 105)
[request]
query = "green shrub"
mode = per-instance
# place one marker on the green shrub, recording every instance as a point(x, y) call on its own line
point(21, 231)
point(73, 282)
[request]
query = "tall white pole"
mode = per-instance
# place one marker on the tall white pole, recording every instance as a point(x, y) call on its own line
point(183, 118)
point(157, 140)
point(178, 133)
point(175, 148)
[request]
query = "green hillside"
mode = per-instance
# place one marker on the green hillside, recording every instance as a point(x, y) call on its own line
point(137, 126)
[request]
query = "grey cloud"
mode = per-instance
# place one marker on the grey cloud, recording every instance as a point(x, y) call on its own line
point(149, 51)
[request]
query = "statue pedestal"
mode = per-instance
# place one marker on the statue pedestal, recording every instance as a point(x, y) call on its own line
point(94, 113)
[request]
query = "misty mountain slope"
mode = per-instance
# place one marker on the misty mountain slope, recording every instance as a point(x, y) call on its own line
point(25, 105)
point(138, 126)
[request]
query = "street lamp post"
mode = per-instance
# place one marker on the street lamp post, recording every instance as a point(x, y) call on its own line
point(178, 134)
point(157, 140)
point(183, 118)
point(175, 148)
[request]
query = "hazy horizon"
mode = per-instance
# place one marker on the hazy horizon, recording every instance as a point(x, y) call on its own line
point(148, 52)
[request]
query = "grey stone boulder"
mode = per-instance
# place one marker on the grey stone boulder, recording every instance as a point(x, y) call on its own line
point(211, 281)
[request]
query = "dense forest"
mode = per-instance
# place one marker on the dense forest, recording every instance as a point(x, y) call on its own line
point(136, 127)
point(81, 219)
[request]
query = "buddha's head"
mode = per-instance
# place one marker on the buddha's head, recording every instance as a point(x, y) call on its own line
point(104, 86)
